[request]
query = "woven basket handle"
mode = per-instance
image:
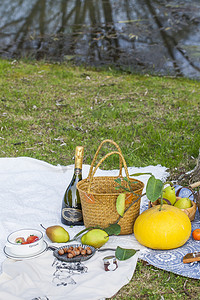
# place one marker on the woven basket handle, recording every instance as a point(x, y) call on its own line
point(100, 162)
point(97, 152)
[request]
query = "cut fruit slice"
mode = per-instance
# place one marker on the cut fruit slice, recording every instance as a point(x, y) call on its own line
point(120, 204)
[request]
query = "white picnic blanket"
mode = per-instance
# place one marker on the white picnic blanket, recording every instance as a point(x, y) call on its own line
point(31, 193)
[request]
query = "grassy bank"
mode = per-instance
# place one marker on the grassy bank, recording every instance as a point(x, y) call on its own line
point(47, 109)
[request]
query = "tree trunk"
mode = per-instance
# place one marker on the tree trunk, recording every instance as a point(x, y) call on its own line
point(192, 176)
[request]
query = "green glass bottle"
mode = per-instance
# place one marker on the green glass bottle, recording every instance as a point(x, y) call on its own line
point(71, 213)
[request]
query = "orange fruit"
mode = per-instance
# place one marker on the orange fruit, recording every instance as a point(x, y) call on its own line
point(196, 234)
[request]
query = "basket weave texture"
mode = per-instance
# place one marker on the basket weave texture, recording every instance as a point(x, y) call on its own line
point(189, 211)
point(98, 196)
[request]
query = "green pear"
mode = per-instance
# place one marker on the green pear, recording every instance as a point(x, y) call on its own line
point(169, 194)
point(183, 203)
point(95, 238)
point(57, 234)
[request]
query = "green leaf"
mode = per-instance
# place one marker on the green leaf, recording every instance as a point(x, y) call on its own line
point(126, 189)
point(154, 188)
point(113, 229)
point(123, 254)
point(125, 179)
point(118, 180)
point(118, 187)
point(138, 174)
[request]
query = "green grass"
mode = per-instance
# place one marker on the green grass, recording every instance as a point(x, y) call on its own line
point(43, 106)
point(149, 282)
point(47, 109)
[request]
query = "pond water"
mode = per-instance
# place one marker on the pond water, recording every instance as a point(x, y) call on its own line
point(145, 36)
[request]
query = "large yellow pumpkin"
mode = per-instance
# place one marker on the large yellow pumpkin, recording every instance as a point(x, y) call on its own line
point(163, 229)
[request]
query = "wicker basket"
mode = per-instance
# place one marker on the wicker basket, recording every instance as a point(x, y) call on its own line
point(196, 203)
point(197, 194)
point(98, 196)
point(189, 211)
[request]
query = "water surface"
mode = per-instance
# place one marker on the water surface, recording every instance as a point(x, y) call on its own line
point(145, 36)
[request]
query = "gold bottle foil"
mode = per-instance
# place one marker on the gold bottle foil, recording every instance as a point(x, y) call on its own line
point(79, 157)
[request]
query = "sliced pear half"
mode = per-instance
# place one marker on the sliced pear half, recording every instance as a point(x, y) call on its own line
point(120, 204)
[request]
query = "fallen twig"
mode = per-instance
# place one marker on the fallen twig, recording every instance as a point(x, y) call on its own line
point(185, 290)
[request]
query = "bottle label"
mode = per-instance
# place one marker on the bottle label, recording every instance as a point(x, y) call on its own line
point(72, 214)
point(78, 171)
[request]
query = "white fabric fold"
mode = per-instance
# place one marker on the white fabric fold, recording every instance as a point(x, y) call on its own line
point(47, 277)
point(31, 194)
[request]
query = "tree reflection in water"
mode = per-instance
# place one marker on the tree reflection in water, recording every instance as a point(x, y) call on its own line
point(141, 35)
